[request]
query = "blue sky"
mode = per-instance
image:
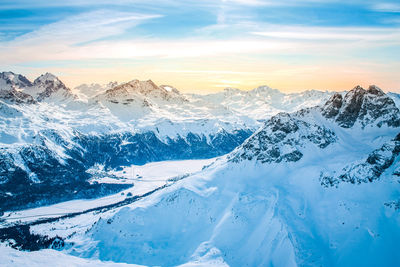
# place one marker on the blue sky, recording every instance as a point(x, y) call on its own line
point(206, 45)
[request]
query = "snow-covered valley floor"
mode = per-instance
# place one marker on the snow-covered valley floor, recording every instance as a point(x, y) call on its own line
point(144, 178)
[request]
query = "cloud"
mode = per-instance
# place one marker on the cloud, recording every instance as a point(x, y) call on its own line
point(368, 34)
point(83, 28)
point(76, 42)
point(61, 39)
point(386, 7)
point(212, 72)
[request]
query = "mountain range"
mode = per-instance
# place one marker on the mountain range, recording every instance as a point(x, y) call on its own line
point(317, 187)
point(50, 135)
point(305, 179)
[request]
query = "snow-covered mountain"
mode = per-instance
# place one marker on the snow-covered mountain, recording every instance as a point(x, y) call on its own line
point(90, 90)
point(48, 87)
point(262, 102)
point(17, 88)
point(276, 194)
point(395, 97)
point(49, 136)
point(318, 187)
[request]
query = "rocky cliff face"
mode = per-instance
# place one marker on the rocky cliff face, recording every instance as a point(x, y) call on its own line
point(360, 106)
point(368, 169)
point(14, 96)
point(282, 139)
point(16, 88)
point(286, 137)
point(48, 84)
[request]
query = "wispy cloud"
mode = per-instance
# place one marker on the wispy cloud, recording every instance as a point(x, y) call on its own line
point(83, 27)
point(60, 40)
point(212, 72)
point(391, 35)
point(386, 7)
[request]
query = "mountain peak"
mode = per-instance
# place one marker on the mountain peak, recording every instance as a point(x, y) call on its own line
point(375, 90)
point(364, 106)
point(281, 139)
point(170, 89)
point(46, 85)
point(47, 78)
point(10, 80)
point(358, 87)
point(139, 87)
point(231, 90)
point(142, 86)
point(264, 89)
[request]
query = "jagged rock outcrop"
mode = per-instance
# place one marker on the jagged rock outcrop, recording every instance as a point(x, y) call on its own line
point(48, 84)
point(282, 139)
point(332, 106)
point(18, 89)
point(10, 83)
point(10, 80)
point(367, 170)
point(144, 88)
point(364, 107)
point(15, 96)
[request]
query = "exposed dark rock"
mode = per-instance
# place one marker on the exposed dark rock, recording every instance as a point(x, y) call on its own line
point(367, 107)
point(281, 139)
point(14, 80)
point(369, 170)
point(397, 138)
point(375, 90)
point(332, 106)
point(23, 239)
point(49, 85)
point(15, 96)
point(393, 204)
point(351, 107)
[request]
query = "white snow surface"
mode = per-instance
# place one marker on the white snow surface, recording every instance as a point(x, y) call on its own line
point(253, 214)
point(48, 257)
point(145, 178)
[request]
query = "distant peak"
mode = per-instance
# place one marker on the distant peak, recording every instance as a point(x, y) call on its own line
point(264, 89)
point(142, 84)
point(13, 80)
point(365, 106)
point(372, 89)
point(170, 89)
point(231, 89)
point(357, 87)
point(375, 90)
point(7, 74)
point(47, 77)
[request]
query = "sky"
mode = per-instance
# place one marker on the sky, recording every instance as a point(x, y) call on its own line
point(204, 46)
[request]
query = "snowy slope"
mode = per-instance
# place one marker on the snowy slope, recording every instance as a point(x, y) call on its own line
point(395, 97)
point(261, 206)
point(12, 257)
